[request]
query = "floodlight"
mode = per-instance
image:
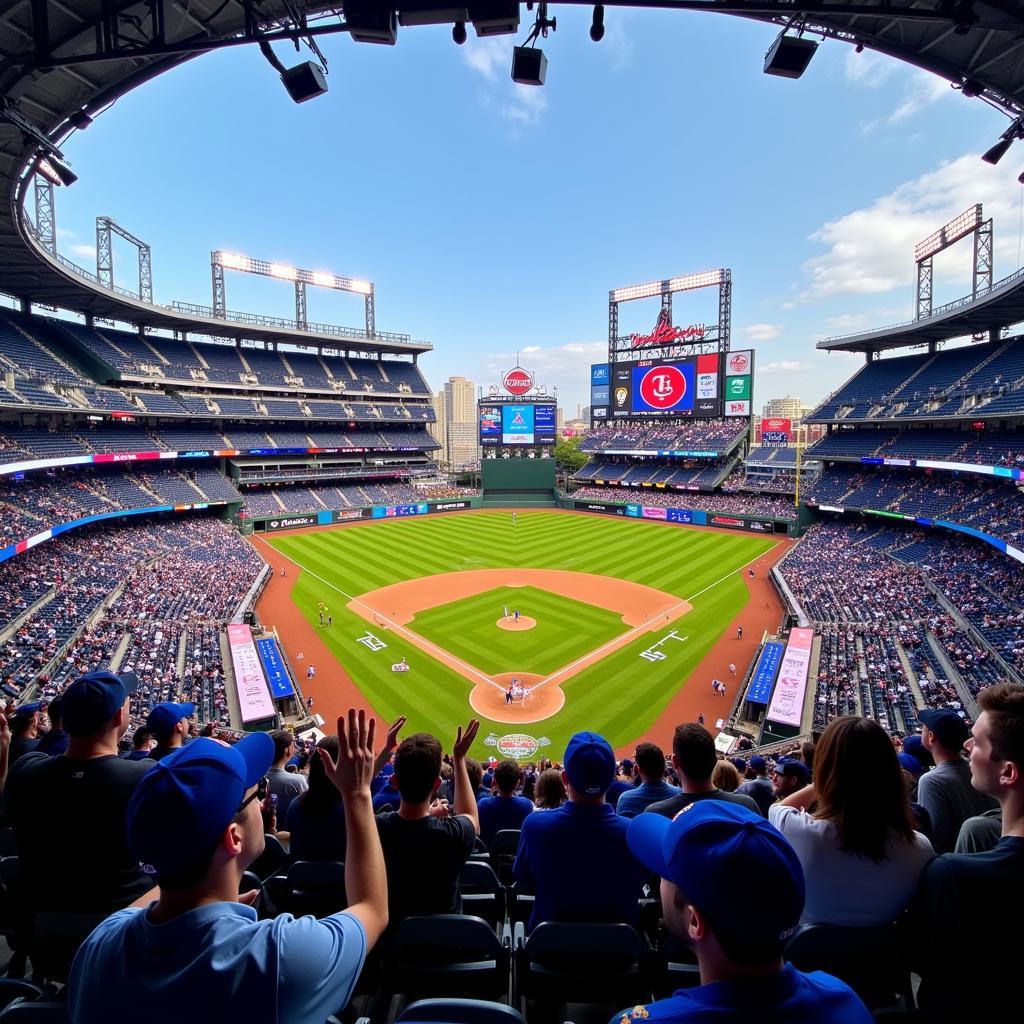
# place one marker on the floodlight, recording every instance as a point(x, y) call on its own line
point(55, 171)
point(233, 261)
point(998, 151)
point(459, 33)
point(363, 287)
point(322, 279)
point(597, 25)
point(282, 271)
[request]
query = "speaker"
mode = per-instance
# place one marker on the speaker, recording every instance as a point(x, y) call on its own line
point(304, 82)
point(529, 65)
point(372, 21)
point(789, 56)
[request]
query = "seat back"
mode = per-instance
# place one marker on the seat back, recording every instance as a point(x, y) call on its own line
point(271, 860)
point(483, 895)
point(54, 942)
point(12, 989)
point(458, 1011)
point(503, 849)
point(312, 887)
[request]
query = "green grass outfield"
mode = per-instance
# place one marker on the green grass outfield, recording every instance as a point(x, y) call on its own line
point(565, 630)
point(620, 697)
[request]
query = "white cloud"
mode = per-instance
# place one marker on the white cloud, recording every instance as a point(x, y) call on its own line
point(784, 366)
point(525, 106)
point(616, 41)
point(761, 332)
point(489, 55)
point(66, 233)
point(88, 251)
point(868, 68)
point(925, 90)
point(870, 250)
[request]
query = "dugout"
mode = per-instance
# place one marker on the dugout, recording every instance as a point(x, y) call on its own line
point(515, 483)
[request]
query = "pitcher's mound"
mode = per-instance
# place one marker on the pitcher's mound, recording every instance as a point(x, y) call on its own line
point(509, 623)
point(489, 701)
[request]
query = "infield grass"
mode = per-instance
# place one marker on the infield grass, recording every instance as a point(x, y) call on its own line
point(620, 697)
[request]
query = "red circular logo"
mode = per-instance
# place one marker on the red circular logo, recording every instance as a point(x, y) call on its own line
point(663, 387)
point(517, 381)
point(738, 363)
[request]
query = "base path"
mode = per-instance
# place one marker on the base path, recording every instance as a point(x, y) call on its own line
point(642, 609)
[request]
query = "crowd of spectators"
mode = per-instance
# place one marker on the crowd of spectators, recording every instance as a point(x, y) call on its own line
point(696, 435)
point(768, 506)
point(290, 498)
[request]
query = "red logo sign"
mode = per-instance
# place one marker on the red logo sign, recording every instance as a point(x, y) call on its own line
point(517, 381)
point(665, 334)
point(777, 424)
point(662, 387)
point(738, 363)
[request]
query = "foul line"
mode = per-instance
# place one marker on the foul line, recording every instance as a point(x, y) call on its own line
point(419, 641)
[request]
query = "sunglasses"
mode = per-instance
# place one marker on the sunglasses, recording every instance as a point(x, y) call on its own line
point(262, 789)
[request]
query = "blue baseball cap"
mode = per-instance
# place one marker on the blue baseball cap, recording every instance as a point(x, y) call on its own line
point(914, 746)
point(185, 802)
point(758, 763)
point(92, 700)
point(950, 729)
point(589, 763)
point(706, 848)
point(28, 710)
point(791, 766)
point(164, 717)
point(910, 763)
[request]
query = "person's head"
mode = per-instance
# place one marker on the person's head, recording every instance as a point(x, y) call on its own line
point(322, 793)
point(95, 707)
point(943, 732)
point(475, 772)
point(418, 767)
point(860, 788)
point(25, 721)
point(550, 789)
point(807, 750)
point(726, 777)
point(700, 854)
point(506, 777)
point(997, 741)
point(53, 713)
point(589, 767)
point(789, 776)
point(913, 746)
point(284, 746)
point(197, 813)
point(757, 766)
point(168, 722)
point(650, 759)
point(693, 752)
point(142, 739)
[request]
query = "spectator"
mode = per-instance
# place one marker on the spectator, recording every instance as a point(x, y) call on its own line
point(69, 811)
point(694, 759)
point(622, 783)
point(576, 859)
point(24, 731)
point(285, 785)
point(197, 821)
point(169, 723)
point(980, 833)
point(789, 777)
point(387, 797)
point(650, 765)
point(504, 810)
point(707, 849)
point(758, 786)
point(316, 817)
point(862, 858)
point(425, 845)
point(970, 906)
point(475, 772)
point(946, 792)
point(54, 742)
point(550, 790)
point(142, 743)
point(725, 777)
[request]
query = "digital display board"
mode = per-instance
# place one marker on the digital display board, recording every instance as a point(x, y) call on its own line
point(517, 423)
point(669, 388)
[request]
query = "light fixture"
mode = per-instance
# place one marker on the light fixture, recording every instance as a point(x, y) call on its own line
point(972, 87)
point(597, 25)
point(459, 33)
point(998, 151)
point(55, 171)
point(80, 119)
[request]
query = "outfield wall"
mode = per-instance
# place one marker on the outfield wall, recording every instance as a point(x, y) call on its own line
point(330, 517)
point(686, 516)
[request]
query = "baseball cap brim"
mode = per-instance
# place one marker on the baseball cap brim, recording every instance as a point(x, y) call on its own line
point(646, 841)
point(257, 750)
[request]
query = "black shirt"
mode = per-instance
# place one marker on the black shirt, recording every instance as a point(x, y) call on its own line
point(674, 804)
point(70, 820)
point(424, 857)
point(20, 746)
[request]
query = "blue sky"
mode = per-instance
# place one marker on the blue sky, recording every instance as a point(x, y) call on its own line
point(495, 218)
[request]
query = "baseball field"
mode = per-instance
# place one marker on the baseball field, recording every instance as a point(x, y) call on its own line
point(617, 619)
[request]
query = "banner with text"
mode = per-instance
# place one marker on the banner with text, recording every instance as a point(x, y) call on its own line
point(787, 703)
point(250, 684)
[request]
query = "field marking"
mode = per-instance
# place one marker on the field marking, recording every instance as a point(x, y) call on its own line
point(397, 627)
point(623, 639)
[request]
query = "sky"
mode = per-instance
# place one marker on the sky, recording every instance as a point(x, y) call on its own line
point(494, 218)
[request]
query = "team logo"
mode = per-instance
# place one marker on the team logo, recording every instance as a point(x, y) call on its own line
point(517, 744)
point(274, 524)
point(663, 387)
point(620, 397)
point(517, 381)
point(737, 386)
point(737, 408)
point(738, 362)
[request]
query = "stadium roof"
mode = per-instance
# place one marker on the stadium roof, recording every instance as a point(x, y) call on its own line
point(80, 55)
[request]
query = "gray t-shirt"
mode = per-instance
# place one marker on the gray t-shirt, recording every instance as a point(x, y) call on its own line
point(286, 786)
point(980, 833)
point(947, 795)
point(674, 804)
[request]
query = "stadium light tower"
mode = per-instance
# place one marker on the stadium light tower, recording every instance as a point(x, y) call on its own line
point(221, 261)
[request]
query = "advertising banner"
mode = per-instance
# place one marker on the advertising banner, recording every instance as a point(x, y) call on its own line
point(686, 386)
point(347, 515)
point(450, 506)
point(654, 513)
point(596, 506)
point(273, 667)
point(739, 370)
point(250, 684)
point(291, 522)
point(776, 432)
point(787, 704)
point(764, 672)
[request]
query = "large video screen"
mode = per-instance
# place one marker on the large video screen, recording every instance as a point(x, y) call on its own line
point(522, 423)
point(667, 388)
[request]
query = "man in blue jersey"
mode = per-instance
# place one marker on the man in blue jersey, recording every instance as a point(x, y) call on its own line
point(702, 855)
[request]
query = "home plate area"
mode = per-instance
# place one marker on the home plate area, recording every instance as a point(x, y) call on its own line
point(576, 620)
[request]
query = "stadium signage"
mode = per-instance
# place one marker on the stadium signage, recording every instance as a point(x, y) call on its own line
point(665, 334)
point(739, 362)
point(343, 516)
point(517, 381)
point(594, 506)
point(449, 506)
point(290, 522)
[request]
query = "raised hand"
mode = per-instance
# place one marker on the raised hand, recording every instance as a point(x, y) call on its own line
point(391, 740)
point(353, 770)
point(464, 740)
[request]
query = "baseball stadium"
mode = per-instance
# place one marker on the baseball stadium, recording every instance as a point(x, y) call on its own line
point(337, 692)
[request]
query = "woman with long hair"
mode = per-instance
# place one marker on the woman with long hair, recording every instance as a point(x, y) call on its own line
point(316, 818)
point(852, 829)
point(550, 790)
